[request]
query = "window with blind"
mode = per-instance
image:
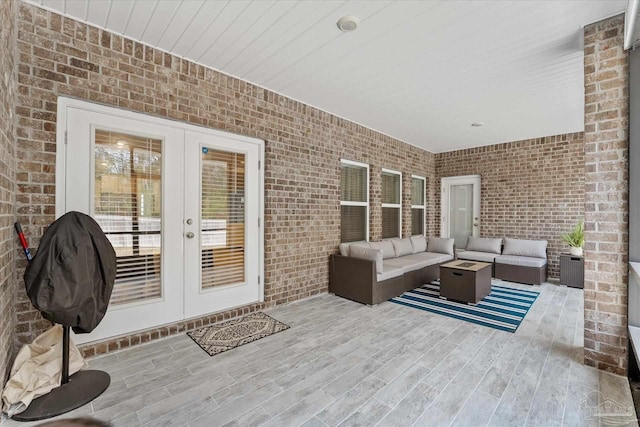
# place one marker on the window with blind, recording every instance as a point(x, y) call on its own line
point(222, 216)
point(418, 186)
point(391, 203)
point(354, 201)
point(127, 201)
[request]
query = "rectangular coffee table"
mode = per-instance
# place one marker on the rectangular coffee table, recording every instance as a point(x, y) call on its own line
point(466, 281)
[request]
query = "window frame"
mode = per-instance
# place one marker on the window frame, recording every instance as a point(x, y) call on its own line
point(393, 205)
point(423, 206)
point(352, 203)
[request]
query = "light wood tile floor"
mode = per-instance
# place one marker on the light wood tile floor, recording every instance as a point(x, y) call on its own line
point(346, 364)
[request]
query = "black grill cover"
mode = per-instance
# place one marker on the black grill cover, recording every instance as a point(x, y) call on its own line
point(71, 277)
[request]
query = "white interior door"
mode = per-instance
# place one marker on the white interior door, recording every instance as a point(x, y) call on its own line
point(118, 171)
point(222, 225)
point(460, 208)
point(181, 205)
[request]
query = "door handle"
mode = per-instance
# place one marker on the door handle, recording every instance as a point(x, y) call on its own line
point(475, 225)
point(190, 235)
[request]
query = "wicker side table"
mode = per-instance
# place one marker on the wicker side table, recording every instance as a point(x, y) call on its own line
point(572, 270)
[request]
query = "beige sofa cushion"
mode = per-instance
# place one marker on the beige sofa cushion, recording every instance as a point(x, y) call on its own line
point(477, 256)
point(402, 247)
point(387, 248)
point(389, 272)
point(356, 251)
point(528, 248)
point(419, 243)
point(440, 245)
point(522, 261)
point(484, 244)
point(417, 261)
point(430, 258)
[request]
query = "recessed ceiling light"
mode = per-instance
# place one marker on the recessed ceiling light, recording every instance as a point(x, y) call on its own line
point(477, 124)
point(348, 23)
point(121, 142)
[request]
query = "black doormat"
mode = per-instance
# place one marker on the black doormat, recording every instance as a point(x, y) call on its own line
point(233, 333)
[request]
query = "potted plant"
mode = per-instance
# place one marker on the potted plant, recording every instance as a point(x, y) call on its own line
point(575, 239)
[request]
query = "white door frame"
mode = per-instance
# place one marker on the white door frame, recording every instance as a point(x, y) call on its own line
point(64, 104)
point(445, 186)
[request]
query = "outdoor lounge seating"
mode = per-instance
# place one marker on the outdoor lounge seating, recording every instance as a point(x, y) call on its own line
point(519, 260)
point(523, 261)
point(373, 272)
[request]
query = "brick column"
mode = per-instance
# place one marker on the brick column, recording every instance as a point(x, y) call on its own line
point(606, 79)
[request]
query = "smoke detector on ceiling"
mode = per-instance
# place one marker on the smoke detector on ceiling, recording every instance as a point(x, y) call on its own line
point(348, 23)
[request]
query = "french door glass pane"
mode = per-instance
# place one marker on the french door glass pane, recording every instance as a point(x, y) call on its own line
point(222, 217)
point(353, 223)
point(461, 213)
point(127, 201)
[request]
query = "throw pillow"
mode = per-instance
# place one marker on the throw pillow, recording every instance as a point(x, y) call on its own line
point(419, 243)
point(386, 246)
point(344, 247)
point(440, 245)
point(521, 247)
point(402, 246)
point(484, 244)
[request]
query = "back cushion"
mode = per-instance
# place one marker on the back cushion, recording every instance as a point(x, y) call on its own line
point(386, 246)
point(419, 243)
point(484, 244)
point(520, 247)
point(402, 246)
point(344, 247)
point(368, 253)
point(440, 245)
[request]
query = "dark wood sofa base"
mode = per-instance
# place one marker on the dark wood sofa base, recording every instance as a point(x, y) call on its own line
point(520, 274)
point(356, 279)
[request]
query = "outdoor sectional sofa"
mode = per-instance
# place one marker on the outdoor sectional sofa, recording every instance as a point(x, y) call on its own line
point(518, 260)
point(373, 272)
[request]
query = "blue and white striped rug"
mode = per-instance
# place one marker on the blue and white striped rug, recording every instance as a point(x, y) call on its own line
point(504, 308)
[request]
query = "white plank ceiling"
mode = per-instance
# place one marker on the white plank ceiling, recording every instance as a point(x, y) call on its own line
point(420, 71)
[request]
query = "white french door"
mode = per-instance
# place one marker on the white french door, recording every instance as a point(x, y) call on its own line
point(222, 223)
point(181, 206)
point(460, 208)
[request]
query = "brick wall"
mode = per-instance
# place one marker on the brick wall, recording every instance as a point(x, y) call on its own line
point(60, 56)
point(532, 189)
point(606, 79)
point(8, 10)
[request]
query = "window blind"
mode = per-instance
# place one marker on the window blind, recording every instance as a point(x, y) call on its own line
point(354, 183)
point(417, 221)
point(353, 223)
point(417, 205)
point(391, 205)
point(390, 222)
point(354, 190)
point(417, 191)
point(127, 205)
point(390, 188)
point(222, 218)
